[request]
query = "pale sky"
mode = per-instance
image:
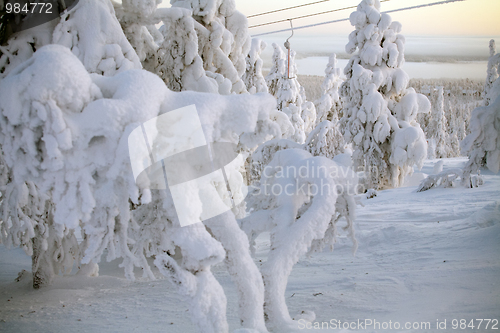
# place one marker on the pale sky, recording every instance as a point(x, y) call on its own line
point(466, 18)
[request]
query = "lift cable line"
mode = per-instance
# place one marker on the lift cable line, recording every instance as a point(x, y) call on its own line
point(288, 8)
point(309, 15)
point(347, 19)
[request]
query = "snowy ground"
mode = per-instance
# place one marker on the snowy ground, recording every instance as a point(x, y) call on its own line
point(422, 257)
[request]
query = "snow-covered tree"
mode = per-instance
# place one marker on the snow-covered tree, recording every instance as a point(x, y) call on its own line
point(325, 140)
point(24, 210)
point(300, 209)
point(179, 64)
point(288, 88)
point(453, 130)
point(308, 113)
point(277, 71)
point(21, 46)
point(264, 154)
point(253, 78)
point(460, 96)
point(482, 145)
point(437, 132)
point(223, 37)
point(220, 31)
point(380, 111)
point(492, 72)
point(328, 106)
point(138, 19)
point(92, 32)
point(90, 29)
point(66, 115)
point(66, 132)
point(283, 84)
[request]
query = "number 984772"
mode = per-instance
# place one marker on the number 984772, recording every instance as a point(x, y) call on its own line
point(19, 15)
point(26, 8)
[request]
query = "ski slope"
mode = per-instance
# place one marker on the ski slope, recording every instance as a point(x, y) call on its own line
point(422, 258)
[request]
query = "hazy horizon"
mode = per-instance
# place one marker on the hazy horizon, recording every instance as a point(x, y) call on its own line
point(477, 18)
point(426, 56)
point(417, 48)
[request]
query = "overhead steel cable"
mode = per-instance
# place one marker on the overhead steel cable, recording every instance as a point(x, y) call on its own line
point(288, 8)
point(347, 19)
point(309, 15)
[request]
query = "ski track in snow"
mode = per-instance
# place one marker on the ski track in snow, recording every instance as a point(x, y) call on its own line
point(422, 257)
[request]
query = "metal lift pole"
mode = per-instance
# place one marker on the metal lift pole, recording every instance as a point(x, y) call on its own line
point(287, 46)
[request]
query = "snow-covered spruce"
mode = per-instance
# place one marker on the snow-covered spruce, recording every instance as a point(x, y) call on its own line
point(137, 19)
point(27, 221)
point(482, 145)
point(223, 38)
point(253, 78)
point(93, 33)
point(380, 112)
point(325, 140)
point(460, 97)
point(179, 64)
point(283, 84)
point(264, 154)
point(301, 212)
point(277, 71)
point(437, 134)
point(66, 132)
point(492, 73)
point(200, 47)
point(328, 106)
point(90, 30)
point(103, 49)
point(21, 46)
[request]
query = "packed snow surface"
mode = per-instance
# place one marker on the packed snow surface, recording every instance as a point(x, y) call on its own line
point(422, 257)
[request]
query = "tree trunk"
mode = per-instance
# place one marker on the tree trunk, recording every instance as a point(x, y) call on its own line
point(42, 265)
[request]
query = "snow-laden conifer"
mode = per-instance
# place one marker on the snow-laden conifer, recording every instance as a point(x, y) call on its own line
point(253, 78)
point(283, 84)
point(328, 106)
point(437, 129)
point(179, 64)
point(492, 72)
point(380, 111)
point(223, 38)
point(297, 200)
point(482, 145)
